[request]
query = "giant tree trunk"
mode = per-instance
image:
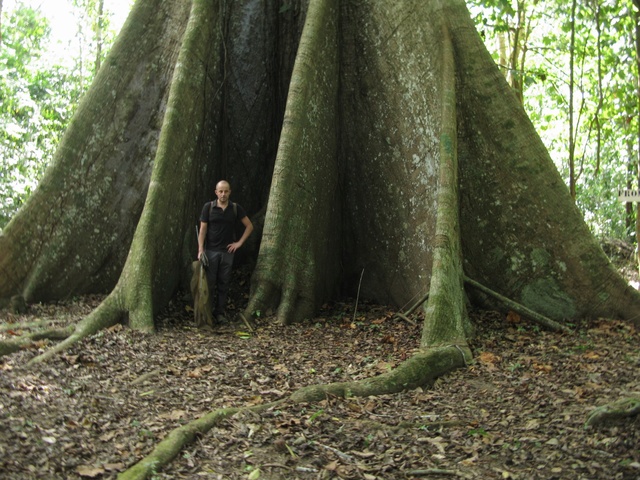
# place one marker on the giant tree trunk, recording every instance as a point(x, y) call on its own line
point(402, 159)
point(73, 234)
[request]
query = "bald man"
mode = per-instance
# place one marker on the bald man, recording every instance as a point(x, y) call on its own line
point(216, 240)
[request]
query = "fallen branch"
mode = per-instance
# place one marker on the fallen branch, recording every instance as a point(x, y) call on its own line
point(146, 376)
point(519, 308)
point(343, 456)
point(623, 408)
point(434, 471)
point(405, 316)
point(246, 322)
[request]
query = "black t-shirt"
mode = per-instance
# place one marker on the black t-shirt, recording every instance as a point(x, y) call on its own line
point(221, 224)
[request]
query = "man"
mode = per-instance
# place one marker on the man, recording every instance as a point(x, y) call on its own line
point(216, 240)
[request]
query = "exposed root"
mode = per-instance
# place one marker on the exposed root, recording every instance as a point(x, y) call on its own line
point(171, 446)
point(5, 327)
point(104, 316)
point(436, 472)
point(25, 341)
point(623, 408)
point(420, 370)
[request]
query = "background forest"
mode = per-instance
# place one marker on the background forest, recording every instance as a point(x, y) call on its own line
point(574, 65)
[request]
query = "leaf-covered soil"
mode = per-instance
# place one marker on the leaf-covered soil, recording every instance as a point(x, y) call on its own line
point(516, 412)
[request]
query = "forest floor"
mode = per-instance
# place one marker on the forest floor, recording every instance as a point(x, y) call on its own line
point(516, 412)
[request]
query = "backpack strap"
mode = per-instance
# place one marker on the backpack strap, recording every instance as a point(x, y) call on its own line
point(235, 208)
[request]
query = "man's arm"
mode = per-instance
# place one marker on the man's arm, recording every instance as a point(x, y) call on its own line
point(248, 228)
point(202, 235)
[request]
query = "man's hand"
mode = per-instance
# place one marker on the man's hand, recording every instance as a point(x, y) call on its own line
point(232, 247)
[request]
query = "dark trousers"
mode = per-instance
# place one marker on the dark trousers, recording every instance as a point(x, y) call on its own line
point(218, 279)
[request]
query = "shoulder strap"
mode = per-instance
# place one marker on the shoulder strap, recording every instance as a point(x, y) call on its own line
point(235, 208)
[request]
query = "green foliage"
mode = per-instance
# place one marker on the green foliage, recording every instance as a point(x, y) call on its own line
point(605, 97)
point(37, 98)
point(31, 114)
point(38, 95)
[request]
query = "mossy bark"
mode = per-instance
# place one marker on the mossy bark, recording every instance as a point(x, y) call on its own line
point(613, 412)
point(152, 271)
point(73, 234)
point(155, 263)
point(402, 158)
point(23, 341)
point(402, 154)
point(522, 234)
point(171, 446)
point(298, 265)
point(446, 319)
point(418, 371)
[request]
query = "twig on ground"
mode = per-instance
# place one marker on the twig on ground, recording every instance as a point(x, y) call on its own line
point(519, 308)
point(340, 454)
point(355, 309)
point(145, 376)
point(434, 471)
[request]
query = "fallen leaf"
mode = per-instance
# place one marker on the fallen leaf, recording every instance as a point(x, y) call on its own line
point(174, 415)
point(108, 436)
point(254, 475)
point(89, 471)
point(513, 317)
point(489, 359)
point(332, 466)
point(542, 368)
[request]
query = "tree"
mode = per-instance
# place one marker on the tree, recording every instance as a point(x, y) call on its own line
point(402, 158)
point(29, 114)
point(39, 94)
point(604, 107)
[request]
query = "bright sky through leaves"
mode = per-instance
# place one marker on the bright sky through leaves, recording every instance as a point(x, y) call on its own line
point(64, 24)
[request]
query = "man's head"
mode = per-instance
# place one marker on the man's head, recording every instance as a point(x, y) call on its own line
point(223, 191)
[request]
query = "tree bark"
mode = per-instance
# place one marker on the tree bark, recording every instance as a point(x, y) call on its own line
point(522, 234)
point(299, 255)
point(403, 153)
point(74, 233)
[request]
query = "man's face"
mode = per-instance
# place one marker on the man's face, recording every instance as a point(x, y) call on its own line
point(222, 192)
